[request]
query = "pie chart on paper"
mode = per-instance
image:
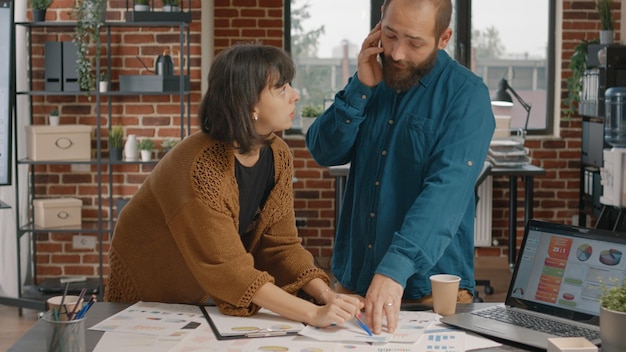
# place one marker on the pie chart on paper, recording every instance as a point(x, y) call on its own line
point(583, 252)
point(610, 257)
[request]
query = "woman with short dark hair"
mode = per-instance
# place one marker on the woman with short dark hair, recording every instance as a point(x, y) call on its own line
point(214, 221)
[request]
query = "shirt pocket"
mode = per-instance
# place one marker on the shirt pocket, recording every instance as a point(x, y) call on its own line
point(421, 134)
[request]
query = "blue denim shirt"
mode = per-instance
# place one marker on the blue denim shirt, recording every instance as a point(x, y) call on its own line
point(408, 209)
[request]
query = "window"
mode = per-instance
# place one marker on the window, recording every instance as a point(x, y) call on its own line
point(324, 36)
point(324, 41)
point(506, 45)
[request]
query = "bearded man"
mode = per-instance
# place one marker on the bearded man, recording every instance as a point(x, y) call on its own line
point(415, 127)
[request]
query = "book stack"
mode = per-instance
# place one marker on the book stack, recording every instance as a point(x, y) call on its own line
point(508, 153)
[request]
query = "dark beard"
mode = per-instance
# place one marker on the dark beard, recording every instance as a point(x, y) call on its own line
point(404, 79)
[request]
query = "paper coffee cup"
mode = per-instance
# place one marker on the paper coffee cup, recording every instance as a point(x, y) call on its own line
point(445, 292)
point(68, 305)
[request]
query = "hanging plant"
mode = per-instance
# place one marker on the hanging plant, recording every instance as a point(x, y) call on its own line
point(578, 65)
point(89, 20)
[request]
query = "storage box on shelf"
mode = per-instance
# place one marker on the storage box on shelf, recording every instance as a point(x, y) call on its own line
point(174, 13)
point(64, 142)
point(152, 83)
point(57, 212)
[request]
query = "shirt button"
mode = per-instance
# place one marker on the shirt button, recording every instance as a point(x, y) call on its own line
point(470, 163)
point(348, 121)
point(377, 183)
point(391, 122)
point(363, 96)
point(372, 215)
point(370, 246)
point(384, 152)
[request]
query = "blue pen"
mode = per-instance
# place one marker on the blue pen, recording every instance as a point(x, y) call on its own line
point(80, 299)
point(84, 310)
point(81, 312)
point(363, 326)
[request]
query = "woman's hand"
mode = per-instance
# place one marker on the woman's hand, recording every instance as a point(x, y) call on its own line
point(369, 70)
point(339, 308)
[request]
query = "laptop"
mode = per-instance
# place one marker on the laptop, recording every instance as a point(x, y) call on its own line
point(556, 280)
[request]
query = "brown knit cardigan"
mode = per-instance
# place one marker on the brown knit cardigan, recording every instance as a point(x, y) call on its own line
point(176, 240)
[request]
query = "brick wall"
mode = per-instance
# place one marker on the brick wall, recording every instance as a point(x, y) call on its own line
point(556, 193)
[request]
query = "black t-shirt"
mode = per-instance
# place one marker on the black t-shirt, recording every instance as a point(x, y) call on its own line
point(255, 184)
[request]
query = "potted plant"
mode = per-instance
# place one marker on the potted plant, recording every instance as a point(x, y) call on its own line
point(171, 5)
point(606, 21)
point(39, 8)
point(53, 117)
point(146, 146)
point(169, 143)
point(89, 16)
point(141, 5)
point(309, 112)
point(103, 81)
point(613, 316)
point(116, 138)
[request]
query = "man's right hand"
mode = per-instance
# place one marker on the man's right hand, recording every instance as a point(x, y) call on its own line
point(369, 70)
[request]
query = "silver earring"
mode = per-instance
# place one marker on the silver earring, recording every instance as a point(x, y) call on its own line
point(255, 117)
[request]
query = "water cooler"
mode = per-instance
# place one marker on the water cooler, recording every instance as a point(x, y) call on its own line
point(613, 173)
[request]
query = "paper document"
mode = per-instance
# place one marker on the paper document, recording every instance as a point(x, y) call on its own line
point(156, 319)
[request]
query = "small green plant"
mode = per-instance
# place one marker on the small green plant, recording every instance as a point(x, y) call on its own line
point(613, 298)
point(142, 2)
point(312, 110)
point(604, 11)
point(104, 77)
point(54, 112)
point(146, 144)
point(40, 4)
point(116, 137)
point(171, 2)
point(169, 143)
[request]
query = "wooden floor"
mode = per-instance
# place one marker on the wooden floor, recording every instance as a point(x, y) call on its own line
point(14, 326)
point(492, 268)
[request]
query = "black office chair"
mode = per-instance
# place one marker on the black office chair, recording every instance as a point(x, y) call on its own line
point(484, 172)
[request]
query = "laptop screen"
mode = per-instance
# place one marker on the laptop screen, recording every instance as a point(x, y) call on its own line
point(560, 269)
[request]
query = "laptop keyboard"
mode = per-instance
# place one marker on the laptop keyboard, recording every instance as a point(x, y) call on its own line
point(537, 323)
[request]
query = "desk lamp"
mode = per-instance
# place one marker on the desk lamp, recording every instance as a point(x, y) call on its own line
point(503, 98)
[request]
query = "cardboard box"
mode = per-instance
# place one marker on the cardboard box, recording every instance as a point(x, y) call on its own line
point(57, 212)
point(503, 127)
point(570, 344)
point(152, 83)
point(63, 142)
